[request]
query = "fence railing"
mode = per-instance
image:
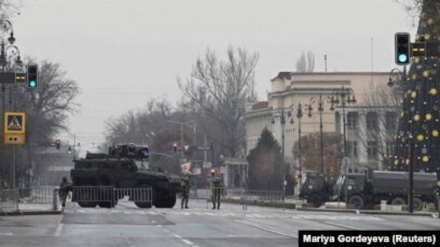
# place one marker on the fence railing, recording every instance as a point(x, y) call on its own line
point(28, 199)
point(45, 198)
point(87, 195)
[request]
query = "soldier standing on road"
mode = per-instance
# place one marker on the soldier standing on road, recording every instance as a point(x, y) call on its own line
point(216, 190)
point(186, 185)
point(63, 191)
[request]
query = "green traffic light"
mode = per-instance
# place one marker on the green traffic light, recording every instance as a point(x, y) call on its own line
point(32, 84)
point(403, 58)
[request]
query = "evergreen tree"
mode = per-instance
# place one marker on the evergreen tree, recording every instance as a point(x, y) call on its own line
point(266, 164)
point(417, 139)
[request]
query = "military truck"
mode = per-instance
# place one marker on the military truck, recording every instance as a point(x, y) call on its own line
point(364, 190)
point(316, 189)
point(124, 167)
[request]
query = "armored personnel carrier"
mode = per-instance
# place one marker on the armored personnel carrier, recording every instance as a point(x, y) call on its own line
point(124, 167)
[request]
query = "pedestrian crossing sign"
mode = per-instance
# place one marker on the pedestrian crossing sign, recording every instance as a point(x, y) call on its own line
point(15, 123)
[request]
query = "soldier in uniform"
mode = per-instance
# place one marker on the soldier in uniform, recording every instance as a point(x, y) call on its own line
point(216, 190)
point(186, 185)
point(63, 191)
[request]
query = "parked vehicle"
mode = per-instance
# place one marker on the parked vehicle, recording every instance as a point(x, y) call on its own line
point(123, 167)
point(363, 190)
point(316, 189)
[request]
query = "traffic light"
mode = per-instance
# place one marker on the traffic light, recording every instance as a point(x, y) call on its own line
point(69, 149)
point(402, 45)
point(175, 147)
point(57, 144)
point(32, 76)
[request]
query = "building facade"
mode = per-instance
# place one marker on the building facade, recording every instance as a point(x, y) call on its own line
point(368, 124)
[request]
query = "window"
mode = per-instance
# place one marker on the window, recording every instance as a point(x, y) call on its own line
point(389, 148)
point(354, 149)
point(371, 149)
point(372, 120)
point(352, 118)
point(390, 120)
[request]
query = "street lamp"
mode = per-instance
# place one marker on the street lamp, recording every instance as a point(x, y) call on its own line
point(320, 101)
point(342, 96)
point(8, 51)
point(403, 85)
point(299, 115)
point(284, 113)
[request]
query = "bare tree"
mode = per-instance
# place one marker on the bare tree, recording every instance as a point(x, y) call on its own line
point(47, 110)
point(139, 127)
point(8, 8)
point(220, 89)
point(306, 62)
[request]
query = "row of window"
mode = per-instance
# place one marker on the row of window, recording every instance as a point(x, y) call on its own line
point(372, 120)
point(372, 148)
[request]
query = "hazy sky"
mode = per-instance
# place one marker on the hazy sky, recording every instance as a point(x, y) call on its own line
point(123, 53)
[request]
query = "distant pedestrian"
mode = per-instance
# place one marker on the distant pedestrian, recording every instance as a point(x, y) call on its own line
point(63, 191)
point(186, 185)
point(216, 190)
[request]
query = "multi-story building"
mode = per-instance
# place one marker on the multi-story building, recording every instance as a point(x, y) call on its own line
point(368, 122)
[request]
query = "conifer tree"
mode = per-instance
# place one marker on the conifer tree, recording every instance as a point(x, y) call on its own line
point(417, 139)
point(266, 164)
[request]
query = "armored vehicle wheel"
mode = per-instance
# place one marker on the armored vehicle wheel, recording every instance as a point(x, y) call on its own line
point(316, 200)
point(357, 201)
point(417, 204)
point(398, 201)
point(84, 204)
point(140, 199)
point(87, 198)
point(165, 198)
point(108, 204)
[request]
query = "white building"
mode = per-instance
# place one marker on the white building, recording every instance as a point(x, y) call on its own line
point(366, 121)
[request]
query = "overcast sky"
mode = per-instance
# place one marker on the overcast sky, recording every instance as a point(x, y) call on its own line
point(123, 53)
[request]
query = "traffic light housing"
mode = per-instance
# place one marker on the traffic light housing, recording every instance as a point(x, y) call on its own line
point(32, 76)
point(175, 147)
point(402, 46)
point(69, 149)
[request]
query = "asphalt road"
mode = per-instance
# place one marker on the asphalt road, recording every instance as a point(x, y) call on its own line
point(200, 225)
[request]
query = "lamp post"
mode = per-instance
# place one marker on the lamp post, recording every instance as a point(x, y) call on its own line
point(320, 101)
point(299, 115)
point(342, 96)
point(399, 78)
point(284, 113)
point(10, 61)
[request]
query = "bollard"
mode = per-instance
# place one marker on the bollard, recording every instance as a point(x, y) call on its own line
point(54, 199)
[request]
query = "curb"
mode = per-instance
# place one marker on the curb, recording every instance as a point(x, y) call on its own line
point(19, 213)
point(430, 214)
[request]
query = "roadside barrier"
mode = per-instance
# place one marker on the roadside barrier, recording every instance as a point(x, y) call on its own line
point(108, 196)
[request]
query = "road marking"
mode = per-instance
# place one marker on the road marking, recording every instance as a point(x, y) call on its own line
point(177, 236)
point(343, 226)
point(187, 242)
point(268, 229)
point(6, 234)
point(59, 230)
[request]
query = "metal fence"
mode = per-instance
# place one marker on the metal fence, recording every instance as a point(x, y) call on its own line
point(42, 198)
point(88, 195)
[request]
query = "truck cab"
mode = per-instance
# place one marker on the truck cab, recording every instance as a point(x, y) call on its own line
point(316, 189)
point(351, 188)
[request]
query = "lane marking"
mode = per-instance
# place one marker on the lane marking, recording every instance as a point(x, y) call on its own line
point(343, 226)
point(187, 242)
point(6, 234)
point(59, 230)
point(268, 229)
point(177, 236)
